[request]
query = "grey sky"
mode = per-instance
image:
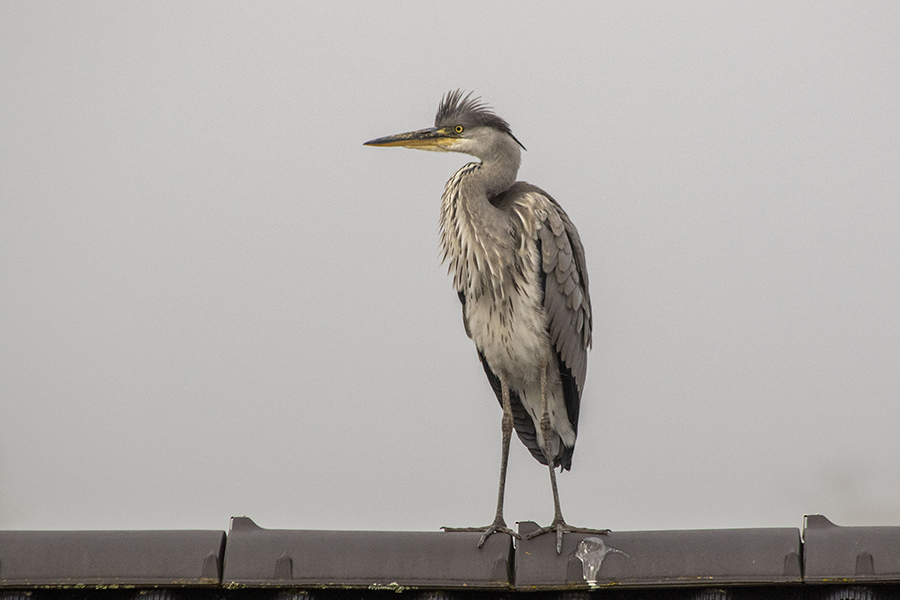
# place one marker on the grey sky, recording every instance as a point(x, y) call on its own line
point(215, 301)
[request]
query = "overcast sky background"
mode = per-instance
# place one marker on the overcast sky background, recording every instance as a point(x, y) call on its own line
point(216, 301)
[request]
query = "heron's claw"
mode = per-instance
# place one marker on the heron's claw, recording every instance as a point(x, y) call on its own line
point(562, 527)
point(498, 526)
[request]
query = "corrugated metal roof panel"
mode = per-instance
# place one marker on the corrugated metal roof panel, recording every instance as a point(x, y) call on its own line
point(649, 558)
point(373, 559)
point(66, 558)
point(832, 552)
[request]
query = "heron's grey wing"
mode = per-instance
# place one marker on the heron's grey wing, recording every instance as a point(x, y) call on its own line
point(566, 300)
point(564, 284)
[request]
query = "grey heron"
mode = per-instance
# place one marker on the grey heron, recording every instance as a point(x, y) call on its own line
point(518, 267)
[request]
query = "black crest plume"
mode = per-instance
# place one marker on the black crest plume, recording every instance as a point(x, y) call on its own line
point(457, 109)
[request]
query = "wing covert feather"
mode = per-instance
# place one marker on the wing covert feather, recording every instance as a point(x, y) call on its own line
point(566, 296)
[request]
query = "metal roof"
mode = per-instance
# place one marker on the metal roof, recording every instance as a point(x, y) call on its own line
point(862, 554)
point(827, 561)
point(659, 558)
point(68, 558)
point(382, 559)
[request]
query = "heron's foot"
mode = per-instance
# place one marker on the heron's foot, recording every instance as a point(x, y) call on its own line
point(561, 527)
point(498, 526)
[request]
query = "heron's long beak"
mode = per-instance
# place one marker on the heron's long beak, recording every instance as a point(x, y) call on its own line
point(424, 139)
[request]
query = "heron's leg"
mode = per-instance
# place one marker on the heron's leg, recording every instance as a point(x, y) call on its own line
point(559, 524)
point(506, 426)
point(499, 524)
point(546, 432)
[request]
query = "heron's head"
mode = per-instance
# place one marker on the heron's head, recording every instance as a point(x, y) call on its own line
point(463, 124)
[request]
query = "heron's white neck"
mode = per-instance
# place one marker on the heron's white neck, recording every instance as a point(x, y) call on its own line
point(470, 224)
point(500, 161)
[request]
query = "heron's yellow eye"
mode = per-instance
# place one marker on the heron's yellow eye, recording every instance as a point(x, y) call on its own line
point(458, 129)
